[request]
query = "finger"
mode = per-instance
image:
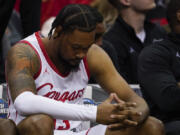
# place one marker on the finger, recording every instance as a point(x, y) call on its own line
point(131, 113)
point(118, 117)
point(110, 98)
point(134, 113)
point(130, 123)
point(117, 99)
point(138, 113)
point(120, 107)
point(116, 126)
point(128, 108)
point(131, 104)
point(125, 106)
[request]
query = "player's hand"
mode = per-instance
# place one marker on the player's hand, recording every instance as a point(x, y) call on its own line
point(106, 109)
point(128, 112)
point(127, 122)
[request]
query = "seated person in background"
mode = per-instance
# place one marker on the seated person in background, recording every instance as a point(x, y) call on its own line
point(108, 12)
point(100, 29)
point(130, 34)
point(159, 74)
point(47, 78)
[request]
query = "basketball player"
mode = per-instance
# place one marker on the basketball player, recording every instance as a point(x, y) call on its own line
point(47, 78)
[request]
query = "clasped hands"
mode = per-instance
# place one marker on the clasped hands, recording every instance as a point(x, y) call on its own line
point(118, 115)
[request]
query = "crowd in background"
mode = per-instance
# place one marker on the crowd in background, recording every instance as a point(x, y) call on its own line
point(20, 19)
point(120, 32)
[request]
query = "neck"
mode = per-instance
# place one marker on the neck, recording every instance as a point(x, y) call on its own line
point(53, 55)
point(134, 19)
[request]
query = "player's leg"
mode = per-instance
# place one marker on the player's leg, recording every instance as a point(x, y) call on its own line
point(7, 127)
point(39, 124)
point(151, 126)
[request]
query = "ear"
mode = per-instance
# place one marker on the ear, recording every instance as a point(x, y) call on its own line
point(125, 2)
point(178, 16)
point(57, 30)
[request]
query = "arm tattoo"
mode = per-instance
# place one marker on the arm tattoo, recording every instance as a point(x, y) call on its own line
point(22, 65)
point(24, 53)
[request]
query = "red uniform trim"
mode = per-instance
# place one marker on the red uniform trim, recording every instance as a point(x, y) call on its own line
point(47, 57)
point(88, 131)
point(86, 67)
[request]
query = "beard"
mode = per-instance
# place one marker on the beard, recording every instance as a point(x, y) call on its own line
point(68, 66)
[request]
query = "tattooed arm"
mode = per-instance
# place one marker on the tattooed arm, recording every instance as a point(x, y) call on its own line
point(21, 65)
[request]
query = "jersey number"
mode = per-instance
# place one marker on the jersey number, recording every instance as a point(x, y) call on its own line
point(66, 125)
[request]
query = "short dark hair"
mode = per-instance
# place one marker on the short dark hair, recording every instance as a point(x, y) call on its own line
point(172, 9)
point(74, 16)
point(97, 15)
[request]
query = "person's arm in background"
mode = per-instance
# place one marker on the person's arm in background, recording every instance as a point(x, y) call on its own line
point(102, 69)
point(157, 79)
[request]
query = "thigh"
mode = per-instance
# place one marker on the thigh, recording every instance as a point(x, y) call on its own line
point(7, 127)
point(40, 124)
point(172, 128)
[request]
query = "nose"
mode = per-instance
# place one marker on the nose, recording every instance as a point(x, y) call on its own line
point(80, 55)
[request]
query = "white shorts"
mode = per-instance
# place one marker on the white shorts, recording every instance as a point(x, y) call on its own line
point(96, 130)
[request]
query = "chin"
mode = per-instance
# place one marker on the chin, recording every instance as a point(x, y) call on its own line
point(74, 63)
point(153, 6)
point(74, 66)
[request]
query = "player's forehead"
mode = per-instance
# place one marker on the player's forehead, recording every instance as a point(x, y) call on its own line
point(81, 38)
